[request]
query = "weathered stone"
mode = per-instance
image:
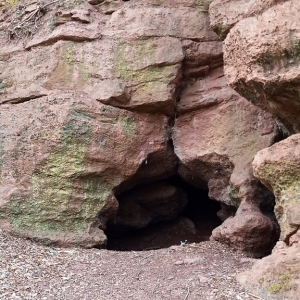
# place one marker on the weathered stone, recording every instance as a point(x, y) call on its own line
point(108, 6)
point(216, 145)
point(224, 14)
point(59, 165)
point(145, 60)
point(261, 56)
point(69, 32)
point(186, 22)
point(204, 92)
point(277, 168)
point(249, 231)
point(218, 142)
point(81, 15)
point(202, 54)
point(112, 92)
point(275, 276)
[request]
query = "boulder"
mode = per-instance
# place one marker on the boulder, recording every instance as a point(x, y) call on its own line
point(224, 14)
point(60, 163)
point(277, 167)
point(249, 231)
point(261, 57)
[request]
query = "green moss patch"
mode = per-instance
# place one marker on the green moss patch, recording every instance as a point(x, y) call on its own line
point(62, 178)
point(283, 282)
point(128, 56)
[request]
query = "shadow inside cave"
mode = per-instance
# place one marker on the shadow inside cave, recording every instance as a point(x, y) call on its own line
point(193, 224)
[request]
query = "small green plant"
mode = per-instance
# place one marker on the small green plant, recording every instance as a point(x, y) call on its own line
point(53, 22)
point(282, 283)
point(183, 243)
point(69, 56)
point(11, 2)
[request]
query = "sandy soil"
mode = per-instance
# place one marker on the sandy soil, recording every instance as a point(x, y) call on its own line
point(196, 271)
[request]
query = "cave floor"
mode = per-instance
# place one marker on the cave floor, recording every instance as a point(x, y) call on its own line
point(194, 271)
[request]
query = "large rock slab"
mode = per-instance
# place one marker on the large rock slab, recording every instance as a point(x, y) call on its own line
point(261, 56)
point(215, 145)
point(138, 75)
point(61, 158)
point(278, 168)
point(139, 19)
point(218, 142)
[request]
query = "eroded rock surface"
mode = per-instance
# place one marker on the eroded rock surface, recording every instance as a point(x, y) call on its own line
point(59, 165)
point(224, 14)
point(89, 98)
point(275, 276)
point(216, 144)
point(278, 168)
point(261, 56)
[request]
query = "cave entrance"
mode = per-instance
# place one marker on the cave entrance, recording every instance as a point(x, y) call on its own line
point(162, 214)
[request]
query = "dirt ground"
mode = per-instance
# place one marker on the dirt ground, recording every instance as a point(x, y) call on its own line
point(195, 271)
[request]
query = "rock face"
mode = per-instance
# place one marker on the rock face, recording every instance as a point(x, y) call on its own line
point(261, 62)
point(59, 165)
point(277, 168)
point(216, 143)
point(112, 97)
point(275, 276)
point(261, 57)
point(224, 14)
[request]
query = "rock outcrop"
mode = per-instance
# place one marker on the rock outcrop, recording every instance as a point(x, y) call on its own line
point(59, 165)
point(216, 144)
point(101, 97)
point(261, 62)
point(278, 168)
point(261, 57)
point(224, 14)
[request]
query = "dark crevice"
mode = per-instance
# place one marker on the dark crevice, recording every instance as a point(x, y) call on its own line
point(178, 223)
point(23, 99)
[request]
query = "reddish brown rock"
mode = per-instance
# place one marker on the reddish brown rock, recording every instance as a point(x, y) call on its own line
point(218, 142)
point(207, 91)
point(275, 276)
point(138, 19)
point(261, 56)
point(224, 14)
point(249, 231)
point(216, 145)
point(86, 107)
point(60, 163)
point(277, 168)
point(201, 57)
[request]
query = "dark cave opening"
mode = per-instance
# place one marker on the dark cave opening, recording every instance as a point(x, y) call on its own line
point(162, 214)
